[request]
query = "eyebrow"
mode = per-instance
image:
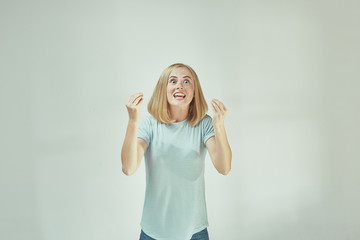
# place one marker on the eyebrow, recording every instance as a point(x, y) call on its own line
point(176, 77)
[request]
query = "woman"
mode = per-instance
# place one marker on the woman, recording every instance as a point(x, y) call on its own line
point(174, 141)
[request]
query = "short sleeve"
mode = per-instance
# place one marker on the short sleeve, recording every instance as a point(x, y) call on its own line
point(208, 129)
point(144, 130)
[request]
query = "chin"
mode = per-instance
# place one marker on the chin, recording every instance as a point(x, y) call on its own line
point(179, 103)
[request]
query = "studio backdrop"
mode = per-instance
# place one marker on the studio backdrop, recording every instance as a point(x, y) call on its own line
point(285, 70)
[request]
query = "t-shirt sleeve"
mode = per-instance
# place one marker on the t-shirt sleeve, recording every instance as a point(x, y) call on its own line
point(208, 129)
point(144, 130)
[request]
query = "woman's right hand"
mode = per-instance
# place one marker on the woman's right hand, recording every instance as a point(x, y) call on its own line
point(133, 106)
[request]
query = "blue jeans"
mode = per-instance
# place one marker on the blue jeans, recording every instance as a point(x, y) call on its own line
point(202, 235)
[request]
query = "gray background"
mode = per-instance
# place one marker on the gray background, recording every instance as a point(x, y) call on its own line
point(286, 70)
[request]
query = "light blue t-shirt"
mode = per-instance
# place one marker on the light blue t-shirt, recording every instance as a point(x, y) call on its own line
point(174, 206)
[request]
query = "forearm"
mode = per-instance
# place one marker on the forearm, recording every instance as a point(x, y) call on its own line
point(223, 150)
point(129, 148)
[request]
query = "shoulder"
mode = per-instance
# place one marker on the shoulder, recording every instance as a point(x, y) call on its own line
point(205, 122)
point(147, 120)
point(206, 119)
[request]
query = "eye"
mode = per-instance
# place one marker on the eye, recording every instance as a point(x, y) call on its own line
point(186, 81)
point(172, 81)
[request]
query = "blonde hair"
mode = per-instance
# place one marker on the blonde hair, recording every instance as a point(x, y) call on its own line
point(158, 104)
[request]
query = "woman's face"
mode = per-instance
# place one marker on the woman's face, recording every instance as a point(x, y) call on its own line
point(180, 87)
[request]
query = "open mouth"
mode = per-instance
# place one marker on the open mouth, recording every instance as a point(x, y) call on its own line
point(179, 95)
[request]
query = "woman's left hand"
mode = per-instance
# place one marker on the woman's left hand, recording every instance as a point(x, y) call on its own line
point(220, 111)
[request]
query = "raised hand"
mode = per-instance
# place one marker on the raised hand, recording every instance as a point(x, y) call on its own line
point(220, 112)
point(133, 106)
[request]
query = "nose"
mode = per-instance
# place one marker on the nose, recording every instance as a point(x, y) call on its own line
point(179, 85)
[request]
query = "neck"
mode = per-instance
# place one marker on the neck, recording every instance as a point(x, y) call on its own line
point(178, 114)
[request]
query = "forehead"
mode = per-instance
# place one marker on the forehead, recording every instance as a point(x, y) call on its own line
point(180, 72)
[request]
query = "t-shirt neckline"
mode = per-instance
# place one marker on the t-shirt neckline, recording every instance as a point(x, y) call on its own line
point(179, 123)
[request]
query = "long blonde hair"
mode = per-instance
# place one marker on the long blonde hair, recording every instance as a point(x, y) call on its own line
point(158, 104)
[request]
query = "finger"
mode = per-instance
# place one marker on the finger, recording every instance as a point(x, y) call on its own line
point(220, 105)
point(134, 97)
point(223, 108)
point(216, 107)
point(138, 95)
point(216, 104)
point(138, 101)
point(212, 107)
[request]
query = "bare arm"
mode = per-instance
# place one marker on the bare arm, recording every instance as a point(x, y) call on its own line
point(133, 148)
point(218, 145)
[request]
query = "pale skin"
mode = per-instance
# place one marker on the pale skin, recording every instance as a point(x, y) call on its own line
point(180, 81)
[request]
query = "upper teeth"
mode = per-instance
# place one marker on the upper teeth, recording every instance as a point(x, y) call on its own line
point(179, 95)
